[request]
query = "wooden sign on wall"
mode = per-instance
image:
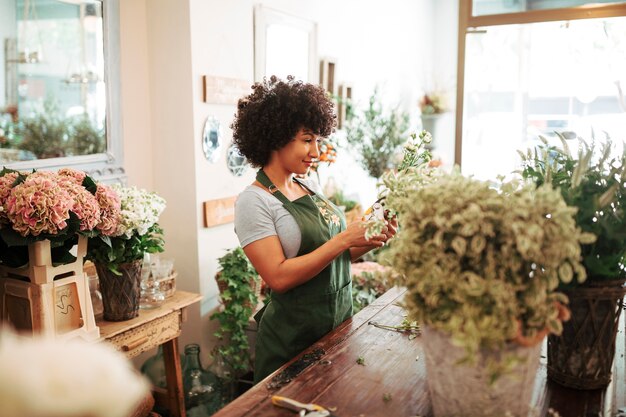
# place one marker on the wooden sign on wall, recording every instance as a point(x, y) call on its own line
point(222, 90)
point(219, 211)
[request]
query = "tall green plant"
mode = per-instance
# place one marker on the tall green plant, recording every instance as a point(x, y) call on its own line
point(237, 275)
point(377, 135)
point(593, 181)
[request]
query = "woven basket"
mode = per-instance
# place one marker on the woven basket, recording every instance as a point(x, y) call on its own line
point(582, 357)
point(255, 284)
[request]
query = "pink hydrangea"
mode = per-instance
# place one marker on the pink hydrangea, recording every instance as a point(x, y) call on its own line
point(6, 183)
point(39, 205)
point(76, 176)
point(85, 205)
point(110, 210)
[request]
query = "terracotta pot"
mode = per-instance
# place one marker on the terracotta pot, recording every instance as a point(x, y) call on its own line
point(120, 293)
point(466, 390)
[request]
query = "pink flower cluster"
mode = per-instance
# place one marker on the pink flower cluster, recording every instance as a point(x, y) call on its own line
point(110, 210)
point(39, 205)
point(43, 201)
point(6, 183)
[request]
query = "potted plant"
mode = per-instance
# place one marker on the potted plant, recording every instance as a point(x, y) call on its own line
point(377, 135)
point(239, 285)
point(482, 266)
point(433, 105)
point(594, 183)
point(45, 220)
point(54, 206)
point(130, 230)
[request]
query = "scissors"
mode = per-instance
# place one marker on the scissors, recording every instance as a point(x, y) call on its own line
point(303, 410)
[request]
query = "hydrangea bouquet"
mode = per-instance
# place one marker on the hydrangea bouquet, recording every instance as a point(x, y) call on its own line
point(136, 232)
point(57, 206)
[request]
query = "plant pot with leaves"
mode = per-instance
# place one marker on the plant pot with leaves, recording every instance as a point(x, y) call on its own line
point(239, 285)
point(377, 135)
point(45, 220)
point(482, 266)
point(130, 231)
point(594, 182)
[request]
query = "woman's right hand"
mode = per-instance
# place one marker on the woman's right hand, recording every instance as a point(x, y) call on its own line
point(354, 236)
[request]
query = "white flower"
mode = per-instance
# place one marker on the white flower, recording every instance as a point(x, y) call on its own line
point(140, 210)
point(44, 377)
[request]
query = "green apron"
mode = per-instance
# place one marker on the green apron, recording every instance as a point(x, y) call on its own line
point(294, 320)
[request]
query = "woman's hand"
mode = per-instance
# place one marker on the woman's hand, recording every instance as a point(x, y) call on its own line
point(354, 236)
point(391, 226)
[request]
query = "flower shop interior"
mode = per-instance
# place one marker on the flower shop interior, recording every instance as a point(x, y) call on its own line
point(130, 102)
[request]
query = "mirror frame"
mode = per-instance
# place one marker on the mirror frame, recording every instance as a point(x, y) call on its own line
point(108, 166)
point(263, 18)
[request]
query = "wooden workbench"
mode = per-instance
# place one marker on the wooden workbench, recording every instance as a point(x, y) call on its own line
point(394, 368)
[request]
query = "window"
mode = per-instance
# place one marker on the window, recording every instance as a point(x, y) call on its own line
point(520, 81)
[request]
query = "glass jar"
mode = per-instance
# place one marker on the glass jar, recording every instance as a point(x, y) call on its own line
point(202, 388)
point(96, 296)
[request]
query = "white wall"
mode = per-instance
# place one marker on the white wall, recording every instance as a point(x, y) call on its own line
point(167, 45)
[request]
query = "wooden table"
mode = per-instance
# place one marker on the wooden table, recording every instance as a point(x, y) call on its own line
point(394, 369)
point(159, 326)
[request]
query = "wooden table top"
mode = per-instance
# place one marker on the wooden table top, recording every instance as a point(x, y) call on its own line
point(178, 301)
point(391, 382)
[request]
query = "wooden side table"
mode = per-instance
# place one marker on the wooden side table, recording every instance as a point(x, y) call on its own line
point(159, 326)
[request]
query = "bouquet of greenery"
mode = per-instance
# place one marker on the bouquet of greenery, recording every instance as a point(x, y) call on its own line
point(134, 232)
point(483, 264)
point(57, 206)
point(594, 182)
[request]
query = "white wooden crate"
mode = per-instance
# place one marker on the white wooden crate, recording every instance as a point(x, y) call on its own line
point(42, 298)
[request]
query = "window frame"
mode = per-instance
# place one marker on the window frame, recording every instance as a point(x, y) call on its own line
point(469, 23)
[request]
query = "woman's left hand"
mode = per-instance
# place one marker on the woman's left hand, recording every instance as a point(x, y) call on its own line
point(391, 227)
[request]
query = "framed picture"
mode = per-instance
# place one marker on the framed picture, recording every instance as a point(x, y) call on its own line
point(327, 74)
point(344, 104)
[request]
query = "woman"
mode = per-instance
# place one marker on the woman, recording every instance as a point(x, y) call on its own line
point(296, 239)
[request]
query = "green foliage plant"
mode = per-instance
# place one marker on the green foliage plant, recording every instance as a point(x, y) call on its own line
point(237, 275)
point(368, 283)
point(340, 200)
point(114, 251)
point(483, 264)
point(593, 181)
point(45, 133)
point(377, 135)
point(85, 138)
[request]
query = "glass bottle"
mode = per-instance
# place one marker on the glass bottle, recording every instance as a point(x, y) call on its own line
point(154, 368)
point(202, 388)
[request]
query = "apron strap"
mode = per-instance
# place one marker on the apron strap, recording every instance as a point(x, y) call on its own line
point(262, 177)
point(304, 186)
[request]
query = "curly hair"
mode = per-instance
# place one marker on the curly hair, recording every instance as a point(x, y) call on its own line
point(270, 117)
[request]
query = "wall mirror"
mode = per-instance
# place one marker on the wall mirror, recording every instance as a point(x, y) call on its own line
point(284, 45)
point(59, 86)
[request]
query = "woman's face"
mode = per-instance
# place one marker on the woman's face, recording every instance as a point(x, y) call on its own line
point(298, 155)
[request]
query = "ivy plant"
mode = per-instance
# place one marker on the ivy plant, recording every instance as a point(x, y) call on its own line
point(238, 278)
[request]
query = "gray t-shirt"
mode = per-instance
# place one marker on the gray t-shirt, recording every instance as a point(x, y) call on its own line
point(258, 214)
